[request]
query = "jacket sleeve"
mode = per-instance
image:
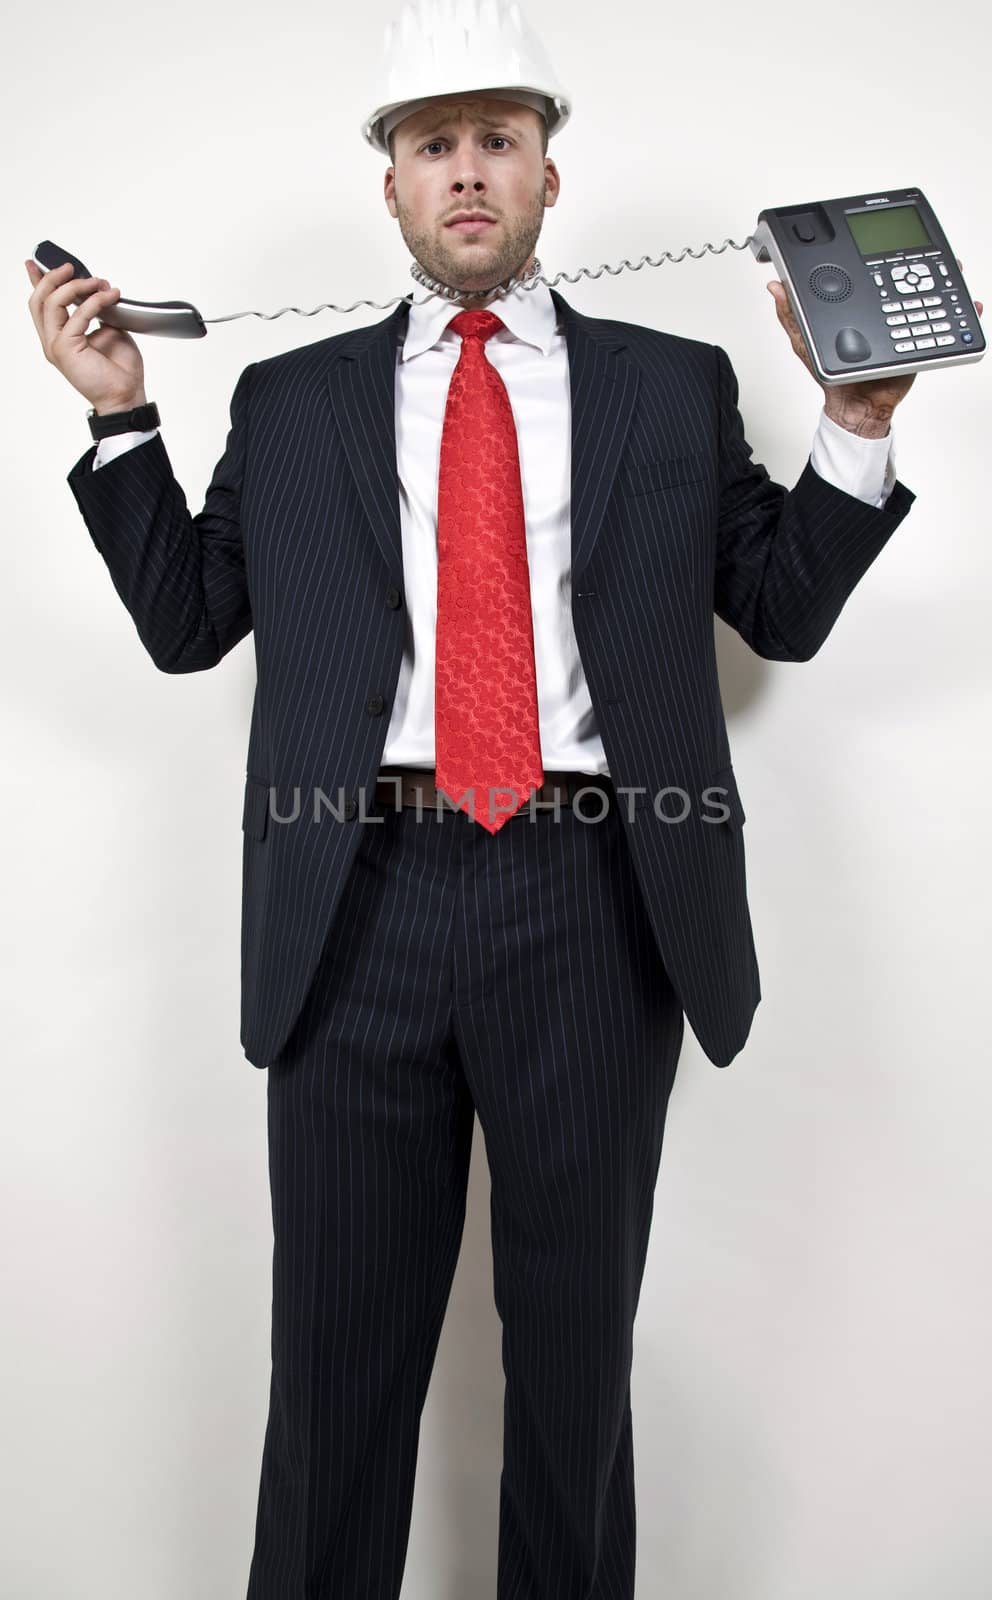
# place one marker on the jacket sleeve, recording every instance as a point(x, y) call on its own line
point(787, 559)
point(181, 577)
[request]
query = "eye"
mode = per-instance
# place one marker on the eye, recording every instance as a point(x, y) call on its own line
point(433, 142)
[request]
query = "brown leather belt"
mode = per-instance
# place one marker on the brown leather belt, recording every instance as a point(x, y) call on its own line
point(415, 786)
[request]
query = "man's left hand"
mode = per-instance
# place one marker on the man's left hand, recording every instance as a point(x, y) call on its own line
point(863, 408)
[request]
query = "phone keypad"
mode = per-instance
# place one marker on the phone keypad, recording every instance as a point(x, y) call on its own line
point(921, 321)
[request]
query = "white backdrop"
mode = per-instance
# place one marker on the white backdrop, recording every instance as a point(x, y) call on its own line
point(811, 1373)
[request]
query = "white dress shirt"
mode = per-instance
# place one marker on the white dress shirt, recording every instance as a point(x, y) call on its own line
point(531, 357)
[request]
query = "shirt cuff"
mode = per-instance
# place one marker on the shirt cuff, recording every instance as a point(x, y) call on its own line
point(865, 468)
point(115, 444)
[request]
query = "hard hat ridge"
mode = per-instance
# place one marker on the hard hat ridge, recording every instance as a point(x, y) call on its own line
point(442, 47)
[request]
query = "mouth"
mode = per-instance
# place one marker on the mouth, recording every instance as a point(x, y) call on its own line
point(471, 225)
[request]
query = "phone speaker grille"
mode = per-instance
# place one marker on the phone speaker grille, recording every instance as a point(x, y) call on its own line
point(830, 283)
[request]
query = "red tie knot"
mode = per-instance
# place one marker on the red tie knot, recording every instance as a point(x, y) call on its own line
point(476, 324)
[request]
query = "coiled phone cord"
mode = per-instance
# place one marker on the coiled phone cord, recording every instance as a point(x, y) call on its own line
point(529, 280)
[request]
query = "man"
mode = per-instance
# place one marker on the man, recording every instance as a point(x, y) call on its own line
point(479, 557)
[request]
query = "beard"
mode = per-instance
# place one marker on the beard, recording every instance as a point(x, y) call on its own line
point(475, 266)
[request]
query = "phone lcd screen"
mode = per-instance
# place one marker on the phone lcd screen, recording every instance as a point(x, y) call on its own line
point(894, 228)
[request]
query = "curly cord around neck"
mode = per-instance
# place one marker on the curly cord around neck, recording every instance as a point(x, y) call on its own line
point(529, 280)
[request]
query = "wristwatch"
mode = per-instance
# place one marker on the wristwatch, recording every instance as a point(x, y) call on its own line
point(137, 420)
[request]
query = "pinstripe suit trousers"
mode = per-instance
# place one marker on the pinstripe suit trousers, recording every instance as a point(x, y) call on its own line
point(515, 975)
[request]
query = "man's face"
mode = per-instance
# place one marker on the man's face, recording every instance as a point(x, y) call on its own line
point(471, 153)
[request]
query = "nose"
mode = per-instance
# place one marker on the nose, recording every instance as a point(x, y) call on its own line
point(468, 173)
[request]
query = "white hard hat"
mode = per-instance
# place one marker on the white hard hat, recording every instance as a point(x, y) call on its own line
point(441, 47)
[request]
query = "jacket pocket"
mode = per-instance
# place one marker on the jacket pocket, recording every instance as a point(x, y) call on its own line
point(722, 790)
point(663, 474)
point(256, 808)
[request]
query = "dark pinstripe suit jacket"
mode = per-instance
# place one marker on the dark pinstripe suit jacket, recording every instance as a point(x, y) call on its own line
point(299, 541)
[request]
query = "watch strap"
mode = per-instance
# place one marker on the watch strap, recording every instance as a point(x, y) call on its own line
point(138, 420)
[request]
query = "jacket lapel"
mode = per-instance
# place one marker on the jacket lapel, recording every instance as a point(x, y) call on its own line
point(603, 384)
point(362, 381)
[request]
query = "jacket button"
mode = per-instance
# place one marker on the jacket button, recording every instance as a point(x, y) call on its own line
point(375, 705)
point(350, 810)
point(392, 598)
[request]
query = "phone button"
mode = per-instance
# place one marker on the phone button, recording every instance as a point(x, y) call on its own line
point(907, 346)
point(851, 345)
point(948, 338)
point(925, 344)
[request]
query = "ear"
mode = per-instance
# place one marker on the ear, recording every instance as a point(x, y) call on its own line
point(389, 190)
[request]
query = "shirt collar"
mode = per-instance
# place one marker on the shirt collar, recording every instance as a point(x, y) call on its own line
point(529, 314)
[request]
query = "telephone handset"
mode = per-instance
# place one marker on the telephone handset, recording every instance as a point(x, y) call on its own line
point(175, 318)
point(872, 280)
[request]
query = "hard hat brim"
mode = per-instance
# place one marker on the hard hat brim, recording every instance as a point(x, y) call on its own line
point(558, 109)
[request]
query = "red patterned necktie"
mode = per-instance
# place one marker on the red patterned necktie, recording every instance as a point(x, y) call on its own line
point(486, 728)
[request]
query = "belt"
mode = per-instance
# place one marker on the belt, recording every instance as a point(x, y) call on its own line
point(415, 786)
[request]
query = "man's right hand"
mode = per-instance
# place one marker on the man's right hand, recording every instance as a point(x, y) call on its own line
point(105, 366)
